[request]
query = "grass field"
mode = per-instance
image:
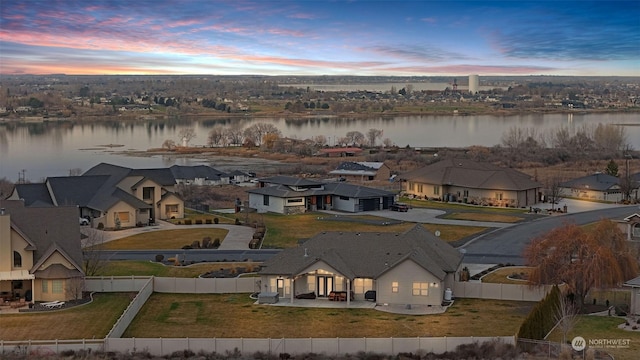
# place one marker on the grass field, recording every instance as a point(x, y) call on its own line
point(500, 276)
point(236, 315)
point(483, 217)
point(148, 268)
point(93, 320)
point(165, 239)
point(604, 327)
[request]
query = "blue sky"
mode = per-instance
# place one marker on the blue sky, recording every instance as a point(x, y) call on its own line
point(419, 38)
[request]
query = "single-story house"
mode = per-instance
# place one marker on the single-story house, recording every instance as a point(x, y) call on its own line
point(291, 195)
point(630, 225)
point(473, 182)
point(339, 151)
point(40, 254)
point(634, 284)
point(199, 175)
point(362, 171)
point(597, 186)
point(238, 176)
point(414, 267)
point(112, 195)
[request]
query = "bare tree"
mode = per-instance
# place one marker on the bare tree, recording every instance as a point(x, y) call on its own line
point(354, 137)
point(387, 142)
point(92, 260)
point(257, 132)
point(566, 315)
point(554, 190)
point(169, 144)
point(74, 287)
point(6, 187)
point(186, 135)
point(319, 140)
point(373, 135)
point(216, 136)
point(234, 134)
point(75, 172)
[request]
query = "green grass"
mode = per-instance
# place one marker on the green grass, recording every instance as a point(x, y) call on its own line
point(604, 327)
point(93, 320)
point(193, 315)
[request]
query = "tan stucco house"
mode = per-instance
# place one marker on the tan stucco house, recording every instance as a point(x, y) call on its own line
point(40, 253)
point(471, 182)
point(411, 268)
point(110, 195)
point(361, 171)
point(634, 284)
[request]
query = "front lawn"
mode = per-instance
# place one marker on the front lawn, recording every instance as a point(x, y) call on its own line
point(148, 268)
point(88, 321)
point(236, 315)
point(500, 276)
point(164, 239)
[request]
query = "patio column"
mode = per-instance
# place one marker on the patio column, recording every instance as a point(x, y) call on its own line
point(33, 289)
point(348, 291)
point(293, 280)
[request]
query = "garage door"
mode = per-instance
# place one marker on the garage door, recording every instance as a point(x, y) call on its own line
point(369, 204)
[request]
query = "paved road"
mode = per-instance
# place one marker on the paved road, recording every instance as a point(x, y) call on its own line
point(506, 245)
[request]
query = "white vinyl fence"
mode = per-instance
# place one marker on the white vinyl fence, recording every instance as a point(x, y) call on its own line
point(328, 346)
point(512, 292)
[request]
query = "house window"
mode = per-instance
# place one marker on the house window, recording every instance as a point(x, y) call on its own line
point(147, 193)
point(394, 287)
point(45, 286)
point(56, 286)
point(311, 283)
point(466, 193)
point(411, 186)
point(294, 201)
point(171, 209)
point(17, 259)
point(436, 190)
point(122, 215)
point(265, 200)
point(344, 198)
point(420, 289)
point(499, 196)
point(420, 188)
point(360, 286)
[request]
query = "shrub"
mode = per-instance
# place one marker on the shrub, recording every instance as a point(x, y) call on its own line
point(139, 224)
point(100, 226)
point(216, 220)
point(187, 221)
point(187, 247)
point(198, 221)
point(206, 242)
point(216, 243)
point(207, 221)
point(159, 258)
point(238, 221)
point(195, 244)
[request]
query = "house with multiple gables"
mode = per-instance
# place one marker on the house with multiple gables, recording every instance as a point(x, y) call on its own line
point(109, 194)
point(598, 186)
point(291, 195)
point(362, 171)
point(630, 226)
point(40, 254)
point(414, 267)
point(473, 182)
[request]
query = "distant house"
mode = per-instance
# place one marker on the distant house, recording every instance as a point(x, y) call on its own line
point(109, 194)
point(597, 186)
point(290, 195)
point(339, 152)
point(634, 284)
point(362, 171)
point(40, 253)
point(414, 267)
point(238, 176)
point(199, 175)
point(630, 226)
point(472, 182)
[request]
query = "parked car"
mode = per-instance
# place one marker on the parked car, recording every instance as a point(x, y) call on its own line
point(399, 207)
point(84, 221)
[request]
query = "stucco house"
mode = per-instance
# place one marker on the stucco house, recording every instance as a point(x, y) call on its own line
point(291, 195)
point(362, 171)
point(109, 194)
point(630, 226)
point(470, 181)
point(414, 267)
point(598, 186)
point(40, 254)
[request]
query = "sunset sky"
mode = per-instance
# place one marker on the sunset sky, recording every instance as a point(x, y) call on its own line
point(420, 38)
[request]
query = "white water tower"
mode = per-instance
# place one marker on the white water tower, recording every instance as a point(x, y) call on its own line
point(474, 84)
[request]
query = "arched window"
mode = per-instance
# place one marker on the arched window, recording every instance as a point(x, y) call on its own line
point(17, 259)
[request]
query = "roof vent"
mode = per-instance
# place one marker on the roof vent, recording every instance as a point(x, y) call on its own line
point(306, 254)
point(2, 211)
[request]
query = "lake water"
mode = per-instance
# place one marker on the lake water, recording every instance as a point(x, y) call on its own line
point(52, 149)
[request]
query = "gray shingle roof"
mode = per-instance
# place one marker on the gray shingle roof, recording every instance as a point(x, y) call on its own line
point(76, 190)
point(49, 228)
point(367, 255)
point(316, 188)
point(635, 282)
point(200, 171)
point(289, 181)
point(34, 194)
point(599, 182)
point(471, 174)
